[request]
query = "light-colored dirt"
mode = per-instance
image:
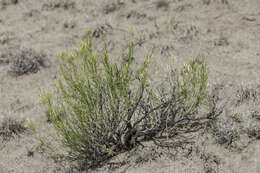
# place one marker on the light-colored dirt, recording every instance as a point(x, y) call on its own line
point(227, 31)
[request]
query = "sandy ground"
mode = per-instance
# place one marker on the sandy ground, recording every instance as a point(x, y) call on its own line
point(227, 31)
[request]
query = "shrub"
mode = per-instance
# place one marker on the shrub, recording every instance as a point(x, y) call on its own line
point(10, 128)
point(225, 132)
point(27, 61)
point(247, 93)
point(101, 108)
point(53, 4)
point(4, 3)
point(254, 131)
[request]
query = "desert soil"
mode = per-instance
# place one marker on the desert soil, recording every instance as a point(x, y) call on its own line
point(226, 31)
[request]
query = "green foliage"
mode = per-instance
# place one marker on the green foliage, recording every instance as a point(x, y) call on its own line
point(101, 108)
